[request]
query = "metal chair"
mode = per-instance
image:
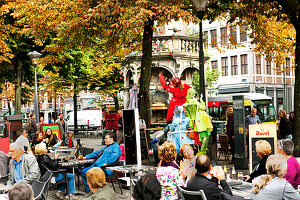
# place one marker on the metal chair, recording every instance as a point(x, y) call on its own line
point(191, 195)
point(224, 149)
point(114, 175)
point(41, 187)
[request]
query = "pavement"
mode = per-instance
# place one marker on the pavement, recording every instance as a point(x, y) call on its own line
point(96, 143)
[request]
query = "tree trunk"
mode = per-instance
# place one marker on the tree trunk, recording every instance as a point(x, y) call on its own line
point(18, 88)
point(116, 101)
point(297, 94)
point(55, 111)
point(9, 108)
point(144, 93)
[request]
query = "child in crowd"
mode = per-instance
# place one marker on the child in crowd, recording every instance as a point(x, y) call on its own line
point(69, 139)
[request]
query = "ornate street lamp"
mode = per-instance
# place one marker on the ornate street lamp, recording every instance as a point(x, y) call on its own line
point(200, 8)
point(35, 55)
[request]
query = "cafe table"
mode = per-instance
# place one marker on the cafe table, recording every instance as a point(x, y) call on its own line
point(72, 163)
point(131, 169)
point(243, 189)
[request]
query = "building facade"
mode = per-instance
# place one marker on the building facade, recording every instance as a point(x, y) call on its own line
point(242, 70)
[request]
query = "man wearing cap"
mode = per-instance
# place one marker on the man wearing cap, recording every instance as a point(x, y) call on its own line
point(22, 167)
point(179, 92)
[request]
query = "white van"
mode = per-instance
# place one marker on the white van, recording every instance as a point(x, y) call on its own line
point(88, 117)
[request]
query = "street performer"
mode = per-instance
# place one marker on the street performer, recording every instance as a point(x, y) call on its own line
point(179, 92)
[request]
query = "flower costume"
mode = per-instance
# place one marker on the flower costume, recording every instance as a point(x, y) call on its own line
point(199, 120)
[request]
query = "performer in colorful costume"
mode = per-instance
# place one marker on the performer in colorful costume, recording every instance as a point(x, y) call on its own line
point(199, 120)
point(179, 92)
point(177, 130)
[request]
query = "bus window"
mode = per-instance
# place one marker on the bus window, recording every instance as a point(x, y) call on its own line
point(265, 110)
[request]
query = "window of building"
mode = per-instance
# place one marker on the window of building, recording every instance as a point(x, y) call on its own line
point(223, 35)
point(243, 34)
point(244, 64)
point(213, 38)
point(224, 66)
point(205, 39)
point(234, 65)
point(268, 68)
point(233, 34)
point(214, 64)
point(287, 66)
point(258, 64)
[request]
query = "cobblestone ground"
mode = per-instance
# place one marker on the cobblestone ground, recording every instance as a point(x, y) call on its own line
point(96, 143)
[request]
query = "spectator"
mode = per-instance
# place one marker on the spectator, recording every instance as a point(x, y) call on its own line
point(50, 138)
point(168, 173)
point(99, 189)
point(33, 126)
point(63, 126)
point(69, 139)
point(230, 130)
point(187, 165)
point(263, 150)
point(272, 185)
point(292, 121)
point(44, 160)
point(20, 191)
point(210, 186)
point(42, 121)
point(251, 119)
point(284, 126)
point(23, 140)
point(286, 148)
point(37, 139)
point(147, 188)
point(122, 147)
point(105, 156)
point(22, 167)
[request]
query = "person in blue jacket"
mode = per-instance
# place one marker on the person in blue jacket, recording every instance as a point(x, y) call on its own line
point(105, 156)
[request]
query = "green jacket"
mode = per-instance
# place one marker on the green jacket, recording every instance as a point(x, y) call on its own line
point(104, 193)
point(30, 170)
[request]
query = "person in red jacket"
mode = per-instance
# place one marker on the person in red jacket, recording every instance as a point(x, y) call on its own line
point(179, 92)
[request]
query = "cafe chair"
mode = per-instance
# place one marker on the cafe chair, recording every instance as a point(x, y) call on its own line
point(41, 187)
point(225, 196)
point(224, 149)
point(114, 175)
point(191, 195)
point(83, 151)
point(54, 174)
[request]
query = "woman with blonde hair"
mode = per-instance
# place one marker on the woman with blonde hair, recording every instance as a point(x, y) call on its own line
point(272, 185)
point(99, 189)
point(263, 150)
point(168, 172)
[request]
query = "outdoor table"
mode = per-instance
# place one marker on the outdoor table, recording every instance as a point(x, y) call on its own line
point(75, 162)
point(131, 169)
point(239, 191)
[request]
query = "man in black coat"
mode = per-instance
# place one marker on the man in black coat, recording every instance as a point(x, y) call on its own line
point(202, 180)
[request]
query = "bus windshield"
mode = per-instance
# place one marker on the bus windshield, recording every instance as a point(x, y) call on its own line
point(265, 110)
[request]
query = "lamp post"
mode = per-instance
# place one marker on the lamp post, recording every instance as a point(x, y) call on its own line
point(200, 8)
point(34, 55)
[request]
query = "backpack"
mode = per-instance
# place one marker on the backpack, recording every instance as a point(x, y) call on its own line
point(28, 125)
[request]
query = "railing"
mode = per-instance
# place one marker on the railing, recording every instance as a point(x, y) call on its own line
point(175, 43)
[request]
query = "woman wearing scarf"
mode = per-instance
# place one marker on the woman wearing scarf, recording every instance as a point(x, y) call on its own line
point(168, 172)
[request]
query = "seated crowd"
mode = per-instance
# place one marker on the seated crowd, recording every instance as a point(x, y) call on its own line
point(275, 177)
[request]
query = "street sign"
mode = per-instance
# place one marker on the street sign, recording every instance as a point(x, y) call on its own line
point(257, 132)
